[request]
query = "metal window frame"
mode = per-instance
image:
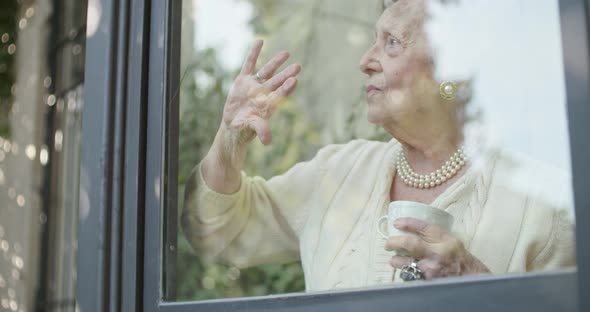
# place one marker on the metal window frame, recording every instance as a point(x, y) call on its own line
point(128, 178)
point(112, 169)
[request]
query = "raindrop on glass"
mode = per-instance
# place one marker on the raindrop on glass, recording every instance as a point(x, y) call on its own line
point(44, 156)
point(51, 100)
point(47, 82)
point(11, 48)
point(30, 12)
point(20, 200)
point(22, 23)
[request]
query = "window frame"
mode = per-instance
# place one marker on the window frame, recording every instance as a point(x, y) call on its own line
point(128, 173)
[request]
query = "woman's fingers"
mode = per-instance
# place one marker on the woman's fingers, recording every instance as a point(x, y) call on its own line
point(260, 126)
point(399, 261)
point(265, 107)
point(408, 244)
point(271, 67)
point(261, 99)
point(259, 121)
point(432, 268)
point(280, 78)
point(285, 90)
point(250, 63)
point(431, 233)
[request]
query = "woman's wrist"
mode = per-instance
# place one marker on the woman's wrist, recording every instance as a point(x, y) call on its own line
point(230, 147)
point(222, 166)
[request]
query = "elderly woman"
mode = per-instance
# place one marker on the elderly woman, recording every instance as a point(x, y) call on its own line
point(324, 211)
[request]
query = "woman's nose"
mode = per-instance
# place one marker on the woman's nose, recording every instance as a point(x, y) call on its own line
point(369, 63)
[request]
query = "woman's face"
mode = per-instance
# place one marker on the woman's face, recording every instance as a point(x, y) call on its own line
point(398, 66)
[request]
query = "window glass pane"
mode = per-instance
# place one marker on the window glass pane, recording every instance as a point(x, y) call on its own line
point(451, 114)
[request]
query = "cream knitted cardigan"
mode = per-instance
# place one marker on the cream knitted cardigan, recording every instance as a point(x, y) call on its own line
point(324, 212)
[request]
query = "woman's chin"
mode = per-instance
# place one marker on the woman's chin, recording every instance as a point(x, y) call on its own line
point(374, 117)
point(377, 110)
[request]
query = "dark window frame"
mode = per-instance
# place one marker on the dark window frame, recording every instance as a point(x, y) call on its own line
point(128, 174)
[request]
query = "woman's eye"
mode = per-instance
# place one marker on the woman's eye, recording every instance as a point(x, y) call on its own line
point(391, 41)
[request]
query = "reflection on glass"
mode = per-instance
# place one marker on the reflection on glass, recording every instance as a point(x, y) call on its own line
point(457, 113)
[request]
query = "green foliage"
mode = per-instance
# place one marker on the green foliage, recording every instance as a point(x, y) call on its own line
point(8, 13)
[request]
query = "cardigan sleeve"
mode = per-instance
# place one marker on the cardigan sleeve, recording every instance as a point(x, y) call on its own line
point(258, 224)
point(536, 199)
point(560, 249)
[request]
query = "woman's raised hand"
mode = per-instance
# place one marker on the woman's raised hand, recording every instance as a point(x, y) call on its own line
point(254, 97)
point(251, 101)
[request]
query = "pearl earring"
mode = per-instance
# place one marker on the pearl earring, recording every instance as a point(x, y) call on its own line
point(448, 90)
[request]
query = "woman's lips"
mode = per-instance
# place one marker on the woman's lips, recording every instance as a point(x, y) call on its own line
point(372, 89)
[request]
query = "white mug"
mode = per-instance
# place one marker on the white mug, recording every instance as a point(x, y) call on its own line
point(410, 209)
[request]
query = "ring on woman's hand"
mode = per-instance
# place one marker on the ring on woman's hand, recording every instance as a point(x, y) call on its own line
point(258, 78)
point(411, 272)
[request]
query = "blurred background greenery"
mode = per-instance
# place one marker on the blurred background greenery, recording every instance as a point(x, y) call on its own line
point(8, 10)
point(327, 38)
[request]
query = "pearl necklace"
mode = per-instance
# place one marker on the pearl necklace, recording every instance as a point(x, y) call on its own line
point(434, 179)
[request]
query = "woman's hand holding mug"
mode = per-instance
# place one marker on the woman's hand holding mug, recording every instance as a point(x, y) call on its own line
point(440, 254)
point(421, 237)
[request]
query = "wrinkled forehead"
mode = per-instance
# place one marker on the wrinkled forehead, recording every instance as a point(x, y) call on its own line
point(403, 17)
